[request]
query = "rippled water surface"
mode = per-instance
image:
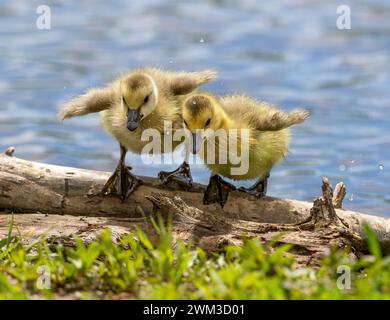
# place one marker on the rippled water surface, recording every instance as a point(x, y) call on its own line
point(286, 52)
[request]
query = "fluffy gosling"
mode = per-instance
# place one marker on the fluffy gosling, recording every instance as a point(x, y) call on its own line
point(267, 139)
point(138, 100)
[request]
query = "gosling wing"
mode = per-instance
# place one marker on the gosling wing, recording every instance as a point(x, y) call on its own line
point(95, 100)
point(185, 82)
point(274, 120)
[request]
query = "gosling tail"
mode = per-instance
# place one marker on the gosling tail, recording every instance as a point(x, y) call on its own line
point(95, 100)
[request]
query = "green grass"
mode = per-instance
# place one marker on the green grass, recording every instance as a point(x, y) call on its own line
point(138, 268)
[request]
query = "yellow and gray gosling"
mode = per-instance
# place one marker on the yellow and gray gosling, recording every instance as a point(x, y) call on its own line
point(267, 140)
point(138, 100)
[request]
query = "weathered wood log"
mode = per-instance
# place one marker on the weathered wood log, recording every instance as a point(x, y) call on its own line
point(30, 186)
point(64, 193)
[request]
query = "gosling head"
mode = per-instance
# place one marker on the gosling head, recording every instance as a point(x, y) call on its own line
point(200, 112)
point(139, 98)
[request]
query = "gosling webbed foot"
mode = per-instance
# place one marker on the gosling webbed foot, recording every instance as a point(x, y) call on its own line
point(217, 191)
point(122, 183)
point(259, 189)
point(181, 176)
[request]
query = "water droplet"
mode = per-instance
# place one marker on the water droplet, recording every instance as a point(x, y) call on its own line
point(201, 40)
point(342, 167)
point(381, 166)
point(170, 61)
point(352, 161)
point(350, 198)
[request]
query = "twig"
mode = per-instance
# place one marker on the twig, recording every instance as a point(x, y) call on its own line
point(338, 195)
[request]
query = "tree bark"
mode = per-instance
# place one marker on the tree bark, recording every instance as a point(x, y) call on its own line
point(63, 202)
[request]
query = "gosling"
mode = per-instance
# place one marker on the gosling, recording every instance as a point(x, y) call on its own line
point(267, 136)
point(136, 101)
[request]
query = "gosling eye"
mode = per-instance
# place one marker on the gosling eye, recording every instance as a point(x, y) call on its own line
point(207, 122)
point(146, 99)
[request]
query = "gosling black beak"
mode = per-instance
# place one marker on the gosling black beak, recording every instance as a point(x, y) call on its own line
point(194, 145)
point(133, 119)
point(197, 141)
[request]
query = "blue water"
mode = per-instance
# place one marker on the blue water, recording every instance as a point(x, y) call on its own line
point(288, 52)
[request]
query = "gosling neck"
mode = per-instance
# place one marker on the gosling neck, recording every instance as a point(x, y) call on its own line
point(225, 122)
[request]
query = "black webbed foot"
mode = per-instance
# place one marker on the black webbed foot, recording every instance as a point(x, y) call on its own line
point(259, 189)
point(181, 176)
point(122, 183)
point(217, 191)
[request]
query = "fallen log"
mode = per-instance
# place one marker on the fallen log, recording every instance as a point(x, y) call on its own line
point(30, 186)
point(62, 193)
